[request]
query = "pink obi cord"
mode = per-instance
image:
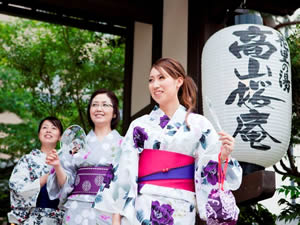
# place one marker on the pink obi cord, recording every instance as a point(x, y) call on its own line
point(167, 169)
point(89, 179)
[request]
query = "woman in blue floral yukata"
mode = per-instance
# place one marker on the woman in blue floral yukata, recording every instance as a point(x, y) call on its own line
point(77, 177)
point(30, 202)
point(169, 159)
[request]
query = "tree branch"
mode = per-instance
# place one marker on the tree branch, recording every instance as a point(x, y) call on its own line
point(81, 114)
point(288, 170)
point(291, 159)
point(66, 39)
point(278, 171)
point(277, 27)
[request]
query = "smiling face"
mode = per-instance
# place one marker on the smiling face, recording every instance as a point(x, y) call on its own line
point(163, 88)
point(48, 133)
point(101, 110)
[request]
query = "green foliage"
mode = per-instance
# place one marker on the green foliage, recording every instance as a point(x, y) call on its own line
point(255, 214)
point(290, 191)
point(291, 210)
point(4, 193)
point(294, 45)
point(48, 69)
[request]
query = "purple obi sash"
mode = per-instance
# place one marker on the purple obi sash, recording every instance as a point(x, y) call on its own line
point(185, 172)
point(90, 179)
point(167, 169)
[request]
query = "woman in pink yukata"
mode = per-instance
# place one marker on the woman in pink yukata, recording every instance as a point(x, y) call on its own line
point(78, 176)
point(169, 159)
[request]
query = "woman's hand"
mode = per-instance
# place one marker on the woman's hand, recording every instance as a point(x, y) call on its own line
point(52, 158)
point(227, 145)
point(116, 219)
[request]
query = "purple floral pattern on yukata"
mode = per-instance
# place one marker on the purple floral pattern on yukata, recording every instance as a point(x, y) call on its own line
point(221, 208)
point(210, 172)
point(161, 214)
point(139, 137)
point(164, 120)
point(109, 176)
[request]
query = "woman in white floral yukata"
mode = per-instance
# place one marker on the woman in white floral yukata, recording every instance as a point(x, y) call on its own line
point(169, 159)
point(30, 202)
point(77, 177)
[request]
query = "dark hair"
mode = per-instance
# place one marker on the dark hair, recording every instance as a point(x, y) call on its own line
point(56, 122)
point(187, 93)
point(116, 118)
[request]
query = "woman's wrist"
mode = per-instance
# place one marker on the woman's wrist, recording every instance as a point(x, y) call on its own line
point(57, 166)
point(116, 219)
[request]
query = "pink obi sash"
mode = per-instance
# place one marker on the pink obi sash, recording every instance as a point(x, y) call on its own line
point(168, 169)
point(89, 179)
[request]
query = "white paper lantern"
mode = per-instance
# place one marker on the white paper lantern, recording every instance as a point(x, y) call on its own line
point(247, 77)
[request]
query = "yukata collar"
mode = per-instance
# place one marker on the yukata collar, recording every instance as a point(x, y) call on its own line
point(37, 151)
point(157, 115)
point(91, 137)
